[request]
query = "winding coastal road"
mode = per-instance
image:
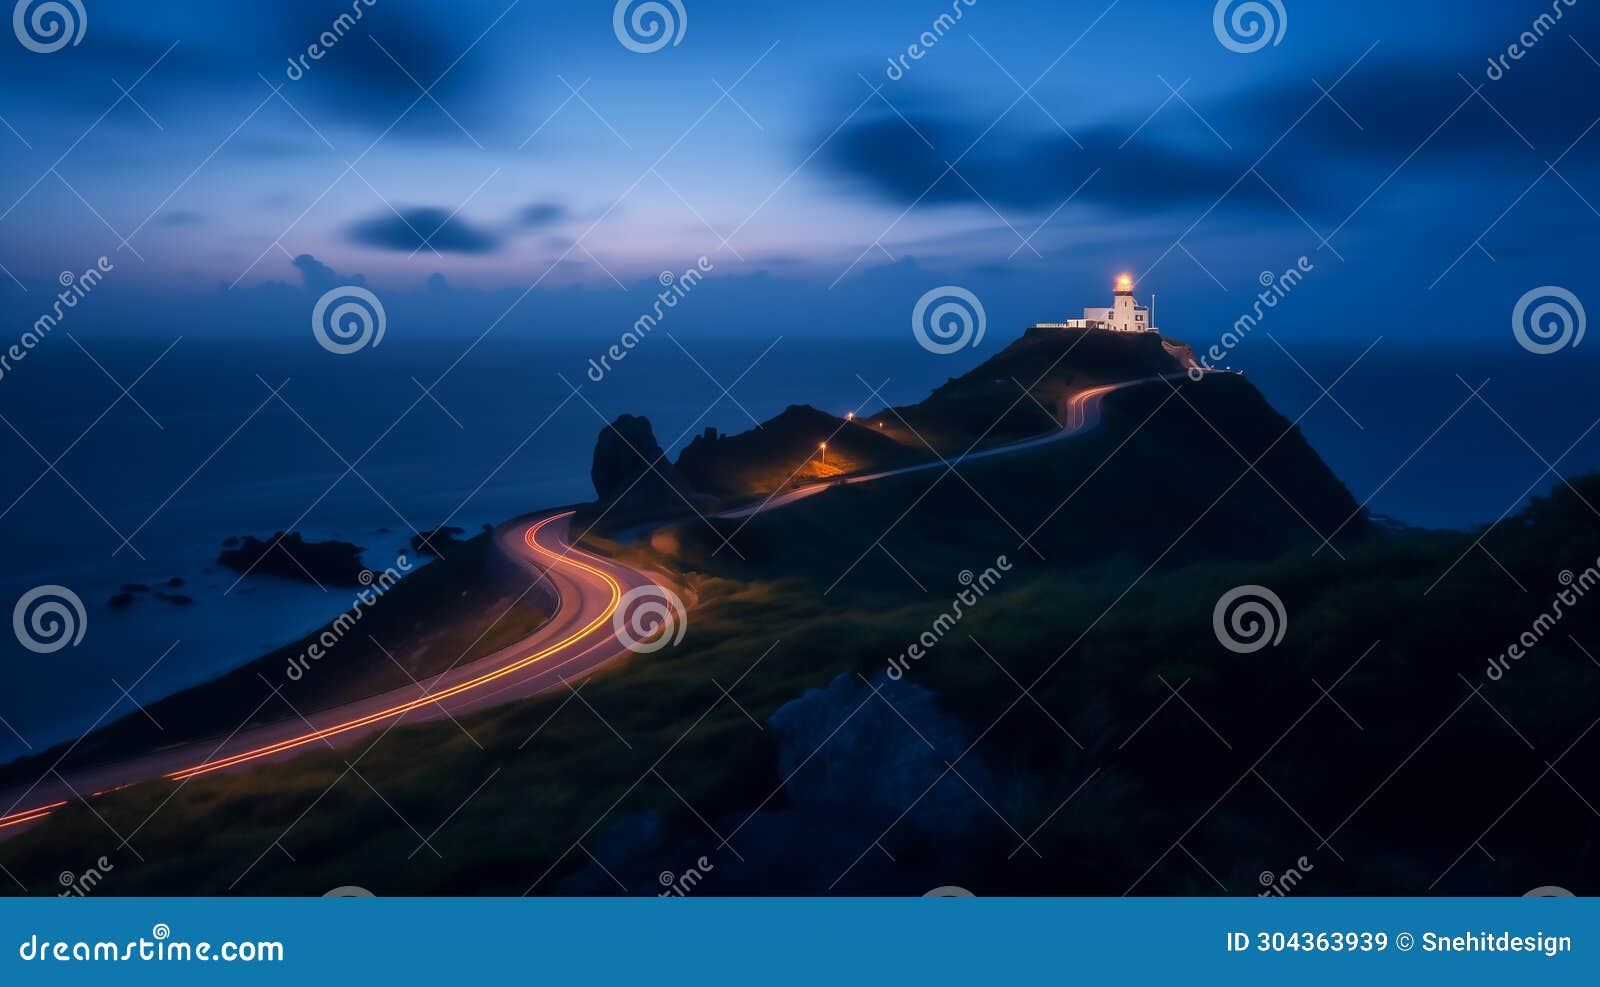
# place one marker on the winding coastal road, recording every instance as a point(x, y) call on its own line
point(578, 638)
point(583, 634)
point(1083, 414)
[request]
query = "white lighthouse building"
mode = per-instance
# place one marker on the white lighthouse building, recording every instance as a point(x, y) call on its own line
point(1124, 315)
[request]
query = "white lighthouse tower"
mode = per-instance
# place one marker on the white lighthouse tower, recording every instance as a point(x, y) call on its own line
point(1127, 315)
point(1124, 315)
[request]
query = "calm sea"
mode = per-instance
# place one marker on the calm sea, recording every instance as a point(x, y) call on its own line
point(200, 450)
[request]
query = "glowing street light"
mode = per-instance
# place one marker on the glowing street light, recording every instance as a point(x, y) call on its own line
point(824, 453)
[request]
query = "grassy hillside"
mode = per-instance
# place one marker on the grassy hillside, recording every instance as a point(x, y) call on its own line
point(1404, 773)
point(787, 451)
point(1020, 393)
point(1166, 455)
point(1104, 739)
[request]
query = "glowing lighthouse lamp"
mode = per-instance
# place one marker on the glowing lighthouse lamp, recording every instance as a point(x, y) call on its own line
point(1124, 314)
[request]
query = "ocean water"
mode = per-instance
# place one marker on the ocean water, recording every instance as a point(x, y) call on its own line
point(200, 450)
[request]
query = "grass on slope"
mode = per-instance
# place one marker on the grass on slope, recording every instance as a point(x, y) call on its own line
point(1020, 393)
point(1210, 454)
point(1372, 735)
point(1100, 661)
point(787, 451)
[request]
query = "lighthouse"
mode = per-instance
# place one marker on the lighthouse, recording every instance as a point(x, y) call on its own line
point(1125, 314)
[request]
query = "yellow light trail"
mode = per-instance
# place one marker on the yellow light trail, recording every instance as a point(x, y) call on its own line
point(530, 538)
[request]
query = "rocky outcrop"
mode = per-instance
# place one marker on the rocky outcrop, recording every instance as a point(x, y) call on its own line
point(289, 556)
point(873, 751)
point(859, 764)
point(1182, 352)
point(438, 541)
point(632, 476)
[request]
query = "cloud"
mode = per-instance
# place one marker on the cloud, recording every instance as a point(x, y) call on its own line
point(1322, 153)
point(1391, 109)
point(542, 214)
point(319, 277)
point(905, 161)
point(423, 228)
point(182, 217)
point(381, 61)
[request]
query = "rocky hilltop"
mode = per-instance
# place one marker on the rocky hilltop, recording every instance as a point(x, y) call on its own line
point(1173, 442)
point(787, 449)
point(1019, 393)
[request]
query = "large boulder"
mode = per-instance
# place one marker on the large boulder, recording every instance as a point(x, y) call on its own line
point(633, 478)
point(875, 751)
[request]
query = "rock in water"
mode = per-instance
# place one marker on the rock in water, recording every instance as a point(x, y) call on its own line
point(438, 541)
point(333, 563)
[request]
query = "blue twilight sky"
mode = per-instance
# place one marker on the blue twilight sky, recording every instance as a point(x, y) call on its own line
point(556, 173)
